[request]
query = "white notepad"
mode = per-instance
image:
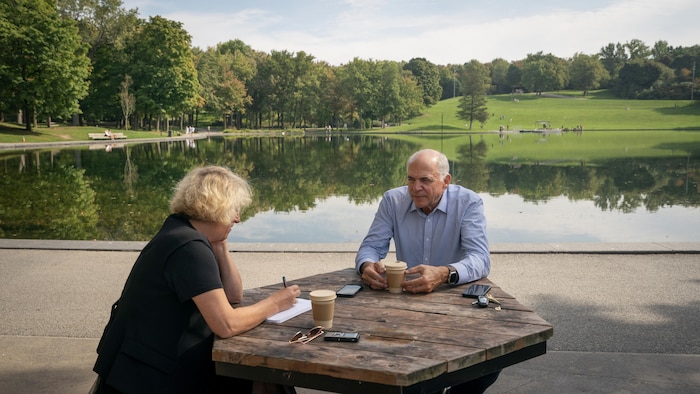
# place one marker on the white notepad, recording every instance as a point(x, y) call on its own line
point(300, 307)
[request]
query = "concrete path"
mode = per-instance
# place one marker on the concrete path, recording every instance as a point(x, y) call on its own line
point(625, 316)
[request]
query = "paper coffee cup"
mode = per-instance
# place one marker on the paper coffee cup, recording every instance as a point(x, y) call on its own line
point(395, 275)
point(323, 307)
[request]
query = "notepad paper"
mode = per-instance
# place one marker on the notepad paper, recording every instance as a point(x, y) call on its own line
point(300, 307)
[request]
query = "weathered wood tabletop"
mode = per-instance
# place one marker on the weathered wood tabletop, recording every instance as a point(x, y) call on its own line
point(409, 343)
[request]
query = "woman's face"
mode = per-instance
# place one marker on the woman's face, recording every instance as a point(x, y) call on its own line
point(219, 231)
point(229, 227)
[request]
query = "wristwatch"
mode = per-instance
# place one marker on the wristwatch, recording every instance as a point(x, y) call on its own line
point(453, 276)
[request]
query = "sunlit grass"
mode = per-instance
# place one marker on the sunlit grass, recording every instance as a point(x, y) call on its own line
point(13, 133)
point(598, 111)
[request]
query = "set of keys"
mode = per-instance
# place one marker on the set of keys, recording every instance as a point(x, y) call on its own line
point(483, 301)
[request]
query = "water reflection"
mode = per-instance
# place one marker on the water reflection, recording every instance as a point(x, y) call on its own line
point(326, 189)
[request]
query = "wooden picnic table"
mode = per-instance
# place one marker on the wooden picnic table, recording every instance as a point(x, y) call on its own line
point(410, 343)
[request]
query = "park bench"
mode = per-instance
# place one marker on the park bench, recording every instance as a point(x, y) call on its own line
point(102, 136)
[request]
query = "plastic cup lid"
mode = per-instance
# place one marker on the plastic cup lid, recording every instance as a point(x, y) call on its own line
point(322, 295)
point(398, 265)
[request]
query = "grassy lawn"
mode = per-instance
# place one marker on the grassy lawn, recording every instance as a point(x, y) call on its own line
point(12, 133)
point(599, 111)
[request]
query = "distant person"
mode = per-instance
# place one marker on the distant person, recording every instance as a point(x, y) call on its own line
point(439, 230)
point(179, 294)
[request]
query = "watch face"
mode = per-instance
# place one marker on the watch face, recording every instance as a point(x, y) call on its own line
point(453, 277)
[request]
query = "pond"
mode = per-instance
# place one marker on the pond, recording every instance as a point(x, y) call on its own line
point(326, 188)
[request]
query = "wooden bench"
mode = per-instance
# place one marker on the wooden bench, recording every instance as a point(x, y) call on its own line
point(102, 136)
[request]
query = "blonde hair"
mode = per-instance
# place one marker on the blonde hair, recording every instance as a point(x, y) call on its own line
point(211, 194)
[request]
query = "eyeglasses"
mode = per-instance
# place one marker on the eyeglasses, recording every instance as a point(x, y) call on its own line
point(308, 337)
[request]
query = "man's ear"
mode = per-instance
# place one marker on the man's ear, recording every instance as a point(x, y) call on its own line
point(448, 179)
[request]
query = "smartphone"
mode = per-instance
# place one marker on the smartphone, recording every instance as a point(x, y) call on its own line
point(337, 336)
point(348, 290)
point(474, 291)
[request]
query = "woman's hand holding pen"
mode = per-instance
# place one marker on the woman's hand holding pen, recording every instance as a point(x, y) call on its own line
point(285, 298)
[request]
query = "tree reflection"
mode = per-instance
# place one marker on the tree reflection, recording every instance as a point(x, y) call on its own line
point(59, 203)
point(79, 193)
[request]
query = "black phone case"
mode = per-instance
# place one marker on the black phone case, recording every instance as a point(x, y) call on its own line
point(348, 290)
point(474, 291)
point(335, 336)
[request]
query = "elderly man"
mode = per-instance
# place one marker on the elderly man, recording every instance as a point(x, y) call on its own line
point(439, 230)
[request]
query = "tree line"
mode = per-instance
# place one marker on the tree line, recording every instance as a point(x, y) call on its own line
point(93, 61)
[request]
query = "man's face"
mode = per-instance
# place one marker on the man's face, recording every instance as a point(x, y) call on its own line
point(425, 185)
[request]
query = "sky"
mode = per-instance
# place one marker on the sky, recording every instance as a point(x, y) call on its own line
point(441, 31)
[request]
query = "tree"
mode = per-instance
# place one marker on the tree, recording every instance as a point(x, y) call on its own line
point(238, 69)
point(357, 84)
point(544, 73)
point(428, 78)
point(637, 76)
point(100, 22)
point(411, 98)
point(388, 90)
point(127, 100)
point(499, 76)
point(44, 64)
point(222, 73)
point(514, 77)
point(587, 72)
point(475, 83)
point(163, 68)
point(637, 49)
point(662, 52)
point(280, 71)
point(259, 90)
point(613, 57)
point(333, 104)
point(105, 27)
point(305, 89)
point(308, 103)
point(448, 82)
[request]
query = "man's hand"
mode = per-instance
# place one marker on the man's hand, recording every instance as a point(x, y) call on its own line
point(430, 278)
point(372, 274)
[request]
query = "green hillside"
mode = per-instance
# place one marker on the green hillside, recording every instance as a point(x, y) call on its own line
point(614, 128)
point(598, 111)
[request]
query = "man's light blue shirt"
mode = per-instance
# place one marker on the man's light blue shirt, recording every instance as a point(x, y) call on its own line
point(453, 233)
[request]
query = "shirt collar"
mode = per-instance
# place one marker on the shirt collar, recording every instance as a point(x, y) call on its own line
point(442, 205)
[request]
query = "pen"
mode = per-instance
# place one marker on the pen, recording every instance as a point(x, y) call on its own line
point(284, 281)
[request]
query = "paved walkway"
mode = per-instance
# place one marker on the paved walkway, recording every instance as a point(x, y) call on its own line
point(625, 316)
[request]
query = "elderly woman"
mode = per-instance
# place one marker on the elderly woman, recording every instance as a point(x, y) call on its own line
point(179, 294)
